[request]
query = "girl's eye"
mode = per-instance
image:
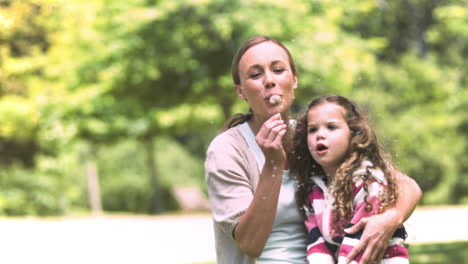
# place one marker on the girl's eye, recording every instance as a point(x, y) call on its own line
point(278, 70)
point(332, 127)
point(312, 129)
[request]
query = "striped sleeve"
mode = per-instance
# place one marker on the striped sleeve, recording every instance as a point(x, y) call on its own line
point(396, 253)
point(317, 250)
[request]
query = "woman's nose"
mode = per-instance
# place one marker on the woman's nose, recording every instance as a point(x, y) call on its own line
point(269, 80)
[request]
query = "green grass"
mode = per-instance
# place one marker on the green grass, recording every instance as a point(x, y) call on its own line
point(441, 253)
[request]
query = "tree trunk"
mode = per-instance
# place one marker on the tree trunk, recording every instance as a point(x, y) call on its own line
point(158, 202)
point(226, 108)
point(421, 19)
point(93, 184)
point(421, 25)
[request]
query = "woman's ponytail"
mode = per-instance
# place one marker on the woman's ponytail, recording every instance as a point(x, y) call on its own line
point(236, 120)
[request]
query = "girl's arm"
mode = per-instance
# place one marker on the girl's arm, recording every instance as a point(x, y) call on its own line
point(380, 228)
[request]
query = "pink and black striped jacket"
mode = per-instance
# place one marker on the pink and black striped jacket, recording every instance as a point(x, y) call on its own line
point(322, 247)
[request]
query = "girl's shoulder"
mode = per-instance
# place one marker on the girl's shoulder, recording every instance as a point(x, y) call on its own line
point(316, 193)
point(318, 190)
point(366, 170)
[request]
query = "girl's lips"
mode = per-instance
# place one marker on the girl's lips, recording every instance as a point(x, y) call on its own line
point(321, 152)
point(321, 149)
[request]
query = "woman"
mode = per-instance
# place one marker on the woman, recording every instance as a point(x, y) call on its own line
point(251, 193)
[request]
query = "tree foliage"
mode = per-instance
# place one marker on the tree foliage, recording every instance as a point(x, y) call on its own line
point(138, 78)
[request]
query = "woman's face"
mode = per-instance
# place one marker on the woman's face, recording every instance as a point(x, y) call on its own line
point(265, 71)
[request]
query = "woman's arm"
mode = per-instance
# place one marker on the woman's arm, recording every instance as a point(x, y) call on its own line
point(380, 228)
point(256, 224)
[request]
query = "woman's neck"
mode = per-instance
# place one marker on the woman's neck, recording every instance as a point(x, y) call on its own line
point(255, 124)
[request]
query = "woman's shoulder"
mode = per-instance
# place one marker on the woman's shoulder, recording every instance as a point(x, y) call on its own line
point(229, 155)
point(227, 139)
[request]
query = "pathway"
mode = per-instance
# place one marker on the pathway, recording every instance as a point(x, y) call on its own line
point(161, 240)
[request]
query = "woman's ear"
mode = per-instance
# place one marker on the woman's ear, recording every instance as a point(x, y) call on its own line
point(295, 83)
point(240, 91)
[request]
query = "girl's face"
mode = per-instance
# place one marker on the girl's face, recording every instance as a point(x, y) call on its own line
point(328, 136)
point(265, 71)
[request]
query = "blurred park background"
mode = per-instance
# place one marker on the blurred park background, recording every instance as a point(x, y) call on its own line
point(107, 107)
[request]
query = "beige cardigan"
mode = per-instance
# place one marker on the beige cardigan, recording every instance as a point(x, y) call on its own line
point(232, 174)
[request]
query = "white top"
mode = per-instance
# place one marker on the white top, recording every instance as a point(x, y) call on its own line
point(287, 241)
point(232, 170)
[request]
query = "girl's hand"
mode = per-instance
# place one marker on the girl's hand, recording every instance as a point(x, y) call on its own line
point(269, 138)
point(374, 241)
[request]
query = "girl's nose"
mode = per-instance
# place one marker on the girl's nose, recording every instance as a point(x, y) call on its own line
point(321, 134)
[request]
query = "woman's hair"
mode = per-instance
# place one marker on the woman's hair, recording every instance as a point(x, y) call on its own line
point(363, 145)
point(252, 41)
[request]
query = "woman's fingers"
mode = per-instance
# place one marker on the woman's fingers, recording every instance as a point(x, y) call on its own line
point(268, 125)
point(366, 257)
point(356, 249)
point(377, 254)
point(381, 254)
point(373, 253)
point(374, 239)
point(270, 130)
point(362, 244)
point(268, 139)
point(277, 135)
point(270, 136)
point(358, 226)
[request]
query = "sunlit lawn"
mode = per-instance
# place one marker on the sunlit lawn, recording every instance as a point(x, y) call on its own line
point(443, 253)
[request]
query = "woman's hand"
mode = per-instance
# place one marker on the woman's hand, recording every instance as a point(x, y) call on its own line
point(378, 230)
point(269, 138)
point(256, 224)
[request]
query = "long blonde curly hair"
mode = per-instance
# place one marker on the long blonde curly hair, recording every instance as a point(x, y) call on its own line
point(363, 145)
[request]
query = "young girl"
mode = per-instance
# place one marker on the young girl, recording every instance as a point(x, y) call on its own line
point(343, 176)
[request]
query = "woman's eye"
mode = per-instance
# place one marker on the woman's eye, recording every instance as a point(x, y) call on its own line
point(254, 75)
point(279, 70)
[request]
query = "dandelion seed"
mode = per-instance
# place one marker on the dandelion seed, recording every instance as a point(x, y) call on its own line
point(275, 99)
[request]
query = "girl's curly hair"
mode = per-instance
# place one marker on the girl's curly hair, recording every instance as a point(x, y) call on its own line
point(363, 145)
